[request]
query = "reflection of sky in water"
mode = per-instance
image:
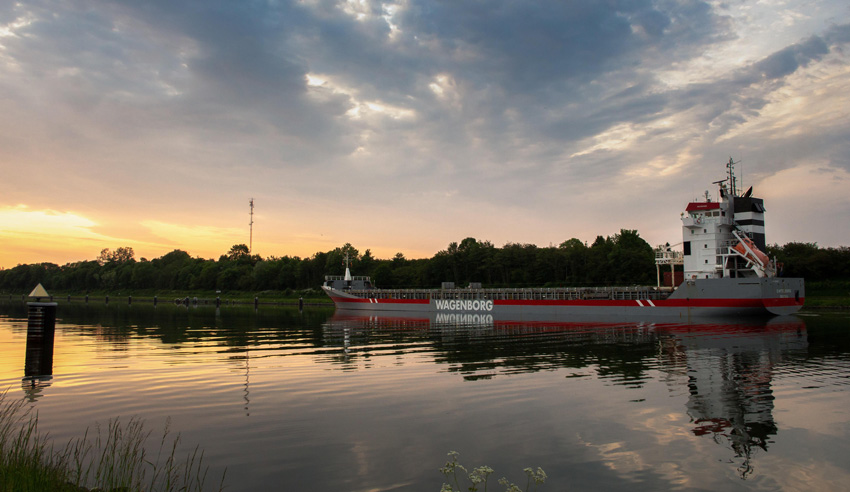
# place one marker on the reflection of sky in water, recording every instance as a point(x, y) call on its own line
point(346, 403)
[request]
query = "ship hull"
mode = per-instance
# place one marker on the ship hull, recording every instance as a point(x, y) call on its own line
point(724, 297)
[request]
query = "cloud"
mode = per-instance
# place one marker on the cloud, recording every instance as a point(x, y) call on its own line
point(509, 108)
point(788, 60)
point(21, 220)
point(35, 236)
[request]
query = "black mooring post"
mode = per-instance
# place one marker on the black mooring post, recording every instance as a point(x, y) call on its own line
point(41, 326)
point(38, 359)
point(41, 319)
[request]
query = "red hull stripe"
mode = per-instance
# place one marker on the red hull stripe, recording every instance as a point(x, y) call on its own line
point(783, 302)
point(726, 303)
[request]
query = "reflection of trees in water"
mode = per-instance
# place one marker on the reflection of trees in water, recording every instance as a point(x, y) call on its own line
point(176, 324)
point(623, 352)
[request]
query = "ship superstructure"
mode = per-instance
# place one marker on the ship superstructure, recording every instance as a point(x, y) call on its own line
point(725, 238)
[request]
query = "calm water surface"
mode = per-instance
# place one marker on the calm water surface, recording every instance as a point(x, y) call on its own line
point(320, 400)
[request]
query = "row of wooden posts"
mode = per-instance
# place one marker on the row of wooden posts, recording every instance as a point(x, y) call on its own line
point(185, 301)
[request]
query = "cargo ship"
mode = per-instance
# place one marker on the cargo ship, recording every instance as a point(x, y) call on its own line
point(723, 270)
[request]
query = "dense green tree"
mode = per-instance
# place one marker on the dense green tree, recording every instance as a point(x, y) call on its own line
point(383, 276)
point(266, 275)
point(208, 276)
point(599, 261)
point(624, 258)
point(143, 276)
point(575, 255)
point(809, 261)
point(515, 262)
point(120, 255)
point(238, 252)
point(631, 260)
point(367, 263)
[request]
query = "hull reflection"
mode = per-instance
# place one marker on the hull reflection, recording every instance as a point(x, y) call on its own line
point(727, 367)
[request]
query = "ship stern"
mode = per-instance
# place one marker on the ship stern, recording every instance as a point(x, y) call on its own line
point(784, 296)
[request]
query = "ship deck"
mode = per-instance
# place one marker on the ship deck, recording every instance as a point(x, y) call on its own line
point(519, 294)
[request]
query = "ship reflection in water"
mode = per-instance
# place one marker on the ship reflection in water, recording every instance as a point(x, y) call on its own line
point(728, 368)
point(729, 381)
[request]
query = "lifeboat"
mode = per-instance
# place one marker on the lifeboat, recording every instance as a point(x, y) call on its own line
point(748, 250)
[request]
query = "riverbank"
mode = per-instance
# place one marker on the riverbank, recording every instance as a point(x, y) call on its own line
point(819, 295)
point(307, 298)
point(112, 460)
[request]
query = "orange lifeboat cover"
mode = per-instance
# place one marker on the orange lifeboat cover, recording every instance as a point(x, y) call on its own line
point(762, 258)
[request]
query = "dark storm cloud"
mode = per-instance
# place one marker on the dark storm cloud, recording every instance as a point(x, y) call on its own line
point(743, 94)
point(248, 63)
point(533, 77)
point(231, 66)
point(787, 61)
point(526, 46)
point(242, 45)
point(838, 34)
point(529, 69)
point(521, 55)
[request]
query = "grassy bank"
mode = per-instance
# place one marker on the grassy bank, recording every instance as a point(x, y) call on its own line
point(112, 459)
point(828, 295)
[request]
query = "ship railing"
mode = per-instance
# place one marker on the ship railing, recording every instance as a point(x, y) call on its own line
point(353, 278)
point(696, 221)
point(520, 294)
point(667, 257)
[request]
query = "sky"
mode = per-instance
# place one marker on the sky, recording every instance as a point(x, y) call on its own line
point(401, 127)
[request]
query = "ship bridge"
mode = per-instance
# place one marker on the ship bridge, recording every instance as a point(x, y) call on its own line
point(725, 238)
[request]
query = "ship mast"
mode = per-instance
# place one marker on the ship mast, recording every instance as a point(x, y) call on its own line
point(733, 189)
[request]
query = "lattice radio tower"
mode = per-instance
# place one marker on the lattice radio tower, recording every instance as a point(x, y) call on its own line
point(251, 229)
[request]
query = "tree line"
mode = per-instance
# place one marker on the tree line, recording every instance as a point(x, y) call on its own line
point(622, 259)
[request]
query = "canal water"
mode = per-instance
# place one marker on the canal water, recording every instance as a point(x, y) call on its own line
point(321, 400)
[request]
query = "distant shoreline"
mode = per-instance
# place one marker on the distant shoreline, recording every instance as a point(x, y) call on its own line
point(813, 302)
